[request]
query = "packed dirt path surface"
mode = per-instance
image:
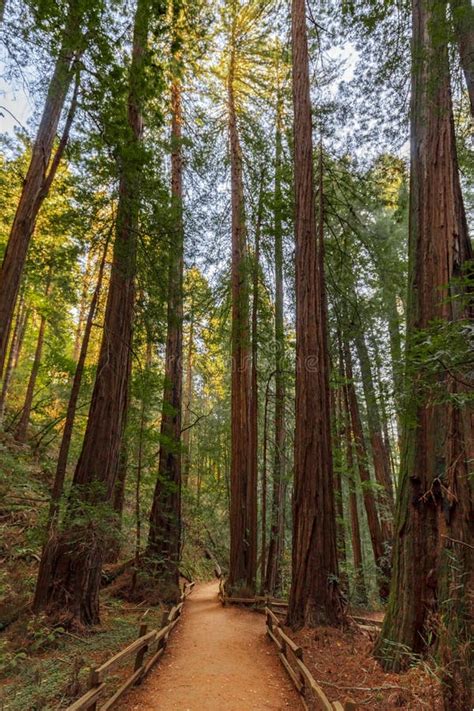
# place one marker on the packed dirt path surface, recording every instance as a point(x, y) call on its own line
point(217, 659)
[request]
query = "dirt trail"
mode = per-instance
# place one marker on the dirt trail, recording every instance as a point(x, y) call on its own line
point(217, 659)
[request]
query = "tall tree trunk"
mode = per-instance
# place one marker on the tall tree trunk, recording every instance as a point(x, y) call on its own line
point(359, 588)
point(314, 597)
point(70, 572)
point(164, 538)
point(337, 433)
point(21, 338)
point(379, 452)
point(21, 430)
point(273, 574)
point(263, 549)
point(61, 465)
point(376, 537)
point(463, 19)
point(188, 398)
point(432, 564)
point(38, 180)
point(253, 415)
point(243, 522)
point(389, 298)
point(15, 346)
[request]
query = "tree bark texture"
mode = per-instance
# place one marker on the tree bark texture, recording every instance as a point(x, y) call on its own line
point(378, 545)
point(164, 538)
point(69, 580)
point(273, 574)
point(61, 465)
point(432, 565)
point(314, 597)
point(380, 456)
point(243, 521)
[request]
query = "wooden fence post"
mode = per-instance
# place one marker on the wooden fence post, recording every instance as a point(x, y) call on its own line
point(141, 652)
point(93, 682)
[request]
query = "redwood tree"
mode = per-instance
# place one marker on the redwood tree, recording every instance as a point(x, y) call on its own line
point(375, 529)
point(243, 519)
point(61, 465)
point(432, 565)
point(164, 539)
point(273, 572)
point(70, 571)
point(40, 173)
point(314, 597)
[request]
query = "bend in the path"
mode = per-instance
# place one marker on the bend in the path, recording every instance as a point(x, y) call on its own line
point(218, 659)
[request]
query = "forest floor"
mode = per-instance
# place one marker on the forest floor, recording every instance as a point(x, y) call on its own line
point(341, 661)
point(218, 659)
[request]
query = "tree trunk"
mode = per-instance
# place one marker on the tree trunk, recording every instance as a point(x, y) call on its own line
point(70, 572)
point(38, 181)
point(463, 20)
point(379, 452)
point(188, 398)
point(359, 588)
point(16, 342)
point(58, 485)
point(273, 574)
point(337, 432)
point(243, 522)
point(432, 568)
point(253, 415)
point(314, 597)
point(263, 549)
point(21, 430)
point(164, 538)
point(378, 547)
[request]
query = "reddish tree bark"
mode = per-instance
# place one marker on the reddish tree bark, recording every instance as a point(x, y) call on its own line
point(337, 433)
point(432, 569)
point(69, 577)
point(243, 522)
point(314, 597)
point(380, 456)
point(359, 588)
point(164, 538)
point(61, 465)
point(253, 415)
point(38, 178)
point(376, 537)
point(273, 572)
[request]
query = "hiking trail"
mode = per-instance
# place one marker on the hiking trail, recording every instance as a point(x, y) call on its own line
point(218, 659)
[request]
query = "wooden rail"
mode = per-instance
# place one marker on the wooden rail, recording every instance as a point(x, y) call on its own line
point(291, 656)
point(261, 601)
point(153, 641)
point(289, 653)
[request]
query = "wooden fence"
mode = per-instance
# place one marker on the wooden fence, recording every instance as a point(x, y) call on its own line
point(291, 656)
point(261, 601)
point(153, 641)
